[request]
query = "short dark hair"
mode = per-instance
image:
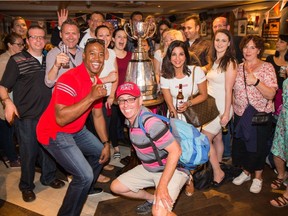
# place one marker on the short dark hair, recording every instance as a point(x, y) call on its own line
point(283, 38)
point(97, 12)
point(94, 40)
point(35, 27)
point(116, 30)
point(136, 13)
point(99, 27)
point(70, 22)
point(158, 35)
point(259, 43)
point(11, 38)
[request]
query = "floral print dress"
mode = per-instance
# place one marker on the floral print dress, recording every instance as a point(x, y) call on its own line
point(280, 141)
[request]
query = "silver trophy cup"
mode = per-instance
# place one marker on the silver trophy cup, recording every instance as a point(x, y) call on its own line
point(140, 68)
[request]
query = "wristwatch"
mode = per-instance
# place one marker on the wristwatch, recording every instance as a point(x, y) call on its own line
point(189, 103)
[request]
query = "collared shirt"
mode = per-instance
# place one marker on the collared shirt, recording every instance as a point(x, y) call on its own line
point(24, 75)
point(161, 135)
point(70, 88)
point(109, 66)
point(85, 38)
point(50, 61)
point(201, 48)
point(266, 75)
point(3, 62)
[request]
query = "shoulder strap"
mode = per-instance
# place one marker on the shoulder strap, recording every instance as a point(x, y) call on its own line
point(246, 87)
point(193, 78)
point(141, 125)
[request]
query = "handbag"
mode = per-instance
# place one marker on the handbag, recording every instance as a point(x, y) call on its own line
point(203, 176)
point(259, 118)
point(202, 113)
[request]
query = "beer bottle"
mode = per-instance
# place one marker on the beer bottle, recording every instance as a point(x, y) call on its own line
point(180, 98)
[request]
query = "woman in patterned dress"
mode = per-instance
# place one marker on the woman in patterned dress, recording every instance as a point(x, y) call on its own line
point(280, 150)
point(254, 90)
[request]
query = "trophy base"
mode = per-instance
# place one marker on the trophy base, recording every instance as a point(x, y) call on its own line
point(149, 97)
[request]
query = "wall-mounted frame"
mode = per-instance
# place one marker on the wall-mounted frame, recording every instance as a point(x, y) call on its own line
point(242, 27)
point(274, 27)
point(203, 30)
point(271, 29)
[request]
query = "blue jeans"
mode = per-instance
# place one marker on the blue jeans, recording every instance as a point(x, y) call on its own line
point(79, 155)
point(6, 140)
point(31, 152)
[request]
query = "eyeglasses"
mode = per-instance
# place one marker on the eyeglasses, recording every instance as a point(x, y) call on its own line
point(97, 21)
point(34, 37)
point(128, 100)
point(219, 26)
point(20, 45)
point(95, 40)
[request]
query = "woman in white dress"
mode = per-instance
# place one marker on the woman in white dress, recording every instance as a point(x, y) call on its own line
point(168, 35)
point(175, 71)
point(221, 78)
point(110, 67)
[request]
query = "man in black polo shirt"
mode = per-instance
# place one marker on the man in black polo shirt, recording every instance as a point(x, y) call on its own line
point(24, 75)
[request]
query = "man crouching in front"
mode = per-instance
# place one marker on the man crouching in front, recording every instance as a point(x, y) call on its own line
point(166, 179)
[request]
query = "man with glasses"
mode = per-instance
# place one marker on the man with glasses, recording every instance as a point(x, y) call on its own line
point(61, 128)
point(166, 178)
point(96, 19)
point(24, 75)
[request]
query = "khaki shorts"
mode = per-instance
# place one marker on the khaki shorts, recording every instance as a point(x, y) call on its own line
point(139, 178)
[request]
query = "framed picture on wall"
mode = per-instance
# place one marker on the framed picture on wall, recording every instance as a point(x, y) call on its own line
point(203, 30)
point(242, 27)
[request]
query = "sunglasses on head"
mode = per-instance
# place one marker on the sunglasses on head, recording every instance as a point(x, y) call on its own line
point(95, 40)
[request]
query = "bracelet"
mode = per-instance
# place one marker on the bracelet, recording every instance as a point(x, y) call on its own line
point(189, 103)
point(105, 142)
point(257, 82)
point(3, 101)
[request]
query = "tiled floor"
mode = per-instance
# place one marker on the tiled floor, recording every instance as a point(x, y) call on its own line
point(48, 199)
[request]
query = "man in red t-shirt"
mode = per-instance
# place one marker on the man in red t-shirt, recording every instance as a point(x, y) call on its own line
point(61, 128)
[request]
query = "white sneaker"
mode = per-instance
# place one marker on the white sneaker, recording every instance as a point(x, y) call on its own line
point(241, 178)
point(256, 186)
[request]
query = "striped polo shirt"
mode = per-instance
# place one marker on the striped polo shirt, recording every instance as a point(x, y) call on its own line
point(161, 135)
point(24, 75)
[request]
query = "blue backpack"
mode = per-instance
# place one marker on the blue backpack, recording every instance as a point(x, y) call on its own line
point(195, 145)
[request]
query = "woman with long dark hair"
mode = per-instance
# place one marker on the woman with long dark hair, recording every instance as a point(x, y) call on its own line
point(221, 78)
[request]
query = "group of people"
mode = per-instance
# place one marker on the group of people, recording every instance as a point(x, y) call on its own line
point(71, 110)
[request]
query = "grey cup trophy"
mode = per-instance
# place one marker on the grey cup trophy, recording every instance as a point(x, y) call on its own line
point(140, 68)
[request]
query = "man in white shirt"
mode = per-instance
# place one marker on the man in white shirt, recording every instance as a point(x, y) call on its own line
point(96, 19)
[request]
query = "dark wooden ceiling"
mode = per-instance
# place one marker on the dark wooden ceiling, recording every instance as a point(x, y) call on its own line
point(47, 9)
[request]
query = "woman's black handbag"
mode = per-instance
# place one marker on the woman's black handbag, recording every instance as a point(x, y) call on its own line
point(260, 118)
point(203, 176)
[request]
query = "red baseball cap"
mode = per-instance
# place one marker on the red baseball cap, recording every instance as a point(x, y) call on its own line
point(128, 88)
